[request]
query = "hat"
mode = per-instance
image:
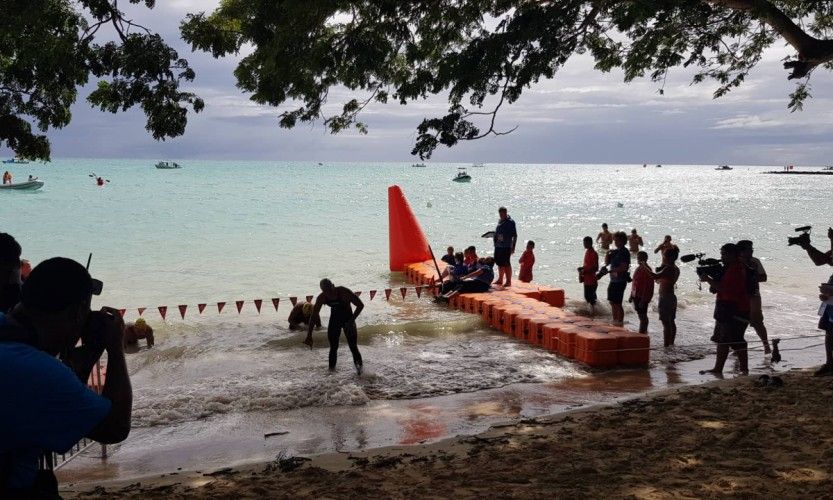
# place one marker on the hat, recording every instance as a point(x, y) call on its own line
point(57, 283)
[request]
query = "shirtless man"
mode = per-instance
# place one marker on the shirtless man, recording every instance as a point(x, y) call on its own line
point(667, 277)
point(665, 245)
point(635, 241)
point(342, 317)
point(605, 238)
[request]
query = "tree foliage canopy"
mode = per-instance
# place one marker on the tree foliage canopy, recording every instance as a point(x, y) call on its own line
point(48, 48)
point(485, 53)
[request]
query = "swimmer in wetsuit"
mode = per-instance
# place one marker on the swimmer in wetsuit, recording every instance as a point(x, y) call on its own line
point(341, 317)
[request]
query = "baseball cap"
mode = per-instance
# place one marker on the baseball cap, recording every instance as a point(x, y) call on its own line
point(57, 283)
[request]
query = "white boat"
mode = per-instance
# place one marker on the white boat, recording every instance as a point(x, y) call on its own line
point(418, 165)
point(16, 161)
point(462, 175)
point(478, 165)
point(22, 186)
point(724, 167)
point(167, 165)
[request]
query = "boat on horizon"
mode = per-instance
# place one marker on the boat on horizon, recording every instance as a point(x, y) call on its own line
point(418, 165)
point(32, 185)
point(16, 160)
point(829, 167)
point(478, 165)
point(167, 165)
point(724, 167)
point(462, 175)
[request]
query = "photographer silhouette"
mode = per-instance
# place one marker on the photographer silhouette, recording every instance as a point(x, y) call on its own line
point(820, 258)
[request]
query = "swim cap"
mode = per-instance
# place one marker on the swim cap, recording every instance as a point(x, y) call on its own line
point(307, 308)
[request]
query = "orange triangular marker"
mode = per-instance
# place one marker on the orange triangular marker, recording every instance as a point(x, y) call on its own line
point(275, 303)
point(358, 293)
point(239, 305)
point(404, 291)
point(258, 302)
point(163, 310)
point(387, 293)
point(309, 298)
point(220, 306)
point(294, 300)
point(418, 290)
point(142, 310)
point(201, 308)
point(182, 311)
point(122, 311)
point(407, 243)
point(372, 294)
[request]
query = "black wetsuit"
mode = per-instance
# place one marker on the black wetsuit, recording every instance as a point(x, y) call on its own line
point(341, 317)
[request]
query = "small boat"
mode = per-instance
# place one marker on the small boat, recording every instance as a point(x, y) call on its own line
point(167, 165)
point(16, 161)
point(22, 186)
point(724, 167)
point(418, 165)
point(478, 165)
point(462, 175)
point(659, 166)
point(829, 167)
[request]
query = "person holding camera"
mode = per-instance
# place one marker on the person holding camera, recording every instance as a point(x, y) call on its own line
point(820, 258)
point(47, 406)
point(731, 309)
point(619, 262)
point(756, 275)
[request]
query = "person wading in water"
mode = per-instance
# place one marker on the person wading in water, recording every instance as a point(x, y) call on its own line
point(342, 316)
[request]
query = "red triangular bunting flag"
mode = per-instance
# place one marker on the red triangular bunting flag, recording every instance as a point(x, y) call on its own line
point(142, 310)
point(275, 303)
point(418, 290)
point(220, 306)
point(372, 294)
point(239, 304)
point(294, 300)
point(309, 298)
point(201, 308)
point(163, 310)
point(358, 293)
point(182, 311)
point(122, 311)
point(404, 291)
point(387, 293)
point(258, 302)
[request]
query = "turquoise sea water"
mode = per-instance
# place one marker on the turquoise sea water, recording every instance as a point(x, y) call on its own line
point(226, 231)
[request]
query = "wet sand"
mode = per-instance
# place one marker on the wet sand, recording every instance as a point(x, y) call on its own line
point(725, 438)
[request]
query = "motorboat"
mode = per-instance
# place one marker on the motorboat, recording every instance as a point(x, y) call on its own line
point(724, 167)
point(659, 166)
point(16, 161)
point(418, 165)
point(478, 165)
point(32, 185)
point(167, 165)
point(462, 175)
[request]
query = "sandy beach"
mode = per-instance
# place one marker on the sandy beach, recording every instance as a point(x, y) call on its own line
point(730, 438)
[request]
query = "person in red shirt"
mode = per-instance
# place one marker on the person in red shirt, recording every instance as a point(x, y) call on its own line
point(731, 310)
point(587, 273)
point(527, 261)
point(642, 290)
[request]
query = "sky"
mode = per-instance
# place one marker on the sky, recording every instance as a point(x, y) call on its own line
point(581, 116)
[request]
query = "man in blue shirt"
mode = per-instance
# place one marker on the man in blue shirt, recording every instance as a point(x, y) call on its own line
point(505, 238)
point(46, 405)
point(619, 261)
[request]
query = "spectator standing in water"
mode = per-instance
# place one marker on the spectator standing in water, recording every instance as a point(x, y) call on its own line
point(619, 261)
point(506, 235)
point(642, 290)
point(666, 278)
point(757, 275)
point(605, 238)
point(526, 261)
point(635, 241)
point(342, 317)
point(587, 273)
point(665, 245)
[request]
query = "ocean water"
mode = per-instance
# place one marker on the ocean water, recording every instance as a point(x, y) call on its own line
point(227, 231)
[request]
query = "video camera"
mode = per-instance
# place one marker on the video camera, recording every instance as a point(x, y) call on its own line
point(711, 268)
point(802, 239)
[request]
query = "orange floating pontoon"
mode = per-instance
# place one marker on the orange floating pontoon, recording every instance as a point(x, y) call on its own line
point(527, 311)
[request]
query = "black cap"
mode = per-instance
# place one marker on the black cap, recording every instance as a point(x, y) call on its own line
point(57, 283)
point(9, 249)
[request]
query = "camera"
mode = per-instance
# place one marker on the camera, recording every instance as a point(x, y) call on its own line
point(706, 267)
point(802, 239)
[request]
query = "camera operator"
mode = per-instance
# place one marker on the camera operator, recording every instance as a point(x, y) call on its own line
point(47, 406)
point(820, 258)
point(756, 276)
point(731, 309)
point(619, 261)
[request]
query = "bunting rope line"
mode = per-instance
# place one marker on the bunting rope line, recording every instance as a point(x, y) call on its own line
point(258, 303)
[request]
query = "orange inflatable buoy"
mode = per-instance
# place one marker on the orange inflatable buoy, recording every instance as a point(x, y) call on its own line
point(407, 241)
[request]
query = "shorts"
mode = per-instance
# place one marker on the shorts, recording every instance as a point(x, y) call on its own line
point(502, 256)
point(756, 314)
point(590, 293)
point(616, 292)
point(667, 307)
point(731, 333)
point(826, 320)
